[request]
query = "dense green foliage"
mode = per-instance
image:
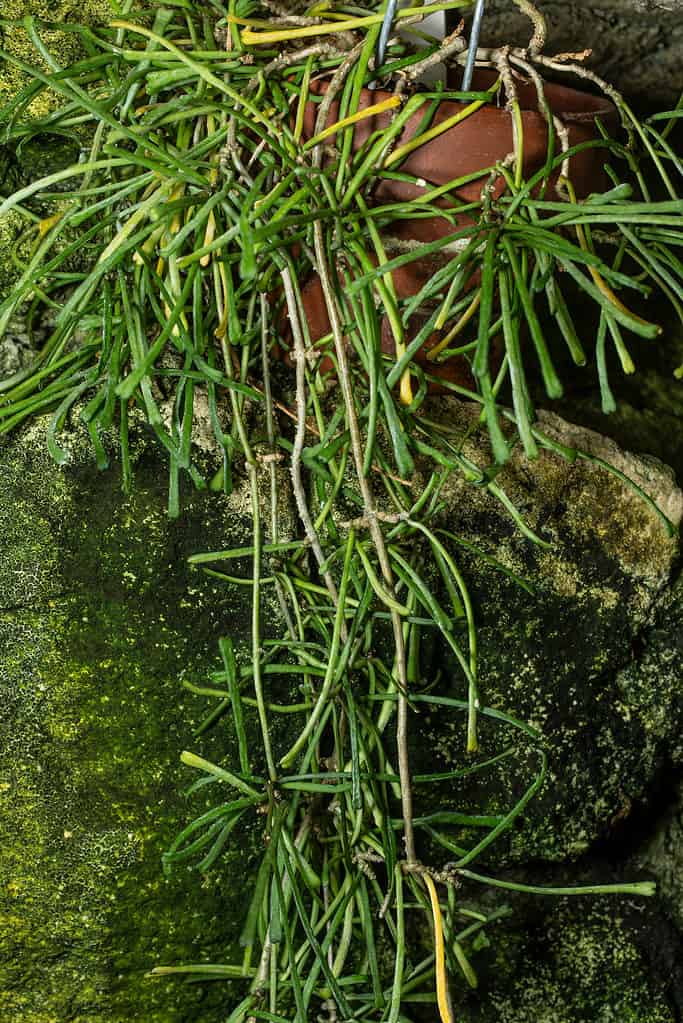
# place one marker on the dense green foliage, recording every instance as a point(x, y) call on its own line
point(170, 261)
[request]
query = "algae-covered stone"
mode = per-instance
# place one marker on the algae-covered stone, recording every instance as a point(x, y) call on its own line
point(11, 225)
point(101, 622)
point(590, 652)
point(15, 345)
point(31, 156)
point(64, 44)
point(575, 961)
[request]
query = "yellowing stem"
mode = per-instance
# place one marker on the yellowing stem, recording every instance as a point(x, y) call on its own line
point(48, 223)
point(406, 390)
point(457, 329)
point(223, 305)
point(252, 38)
point(400, 154)
point(360, 115)
point(439, 955)
point(210, 232)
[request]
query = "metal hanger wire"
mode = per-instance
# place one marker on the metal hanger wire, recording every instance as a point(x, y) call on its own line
point(473, 45)
point(388, 24)
point(385, 32)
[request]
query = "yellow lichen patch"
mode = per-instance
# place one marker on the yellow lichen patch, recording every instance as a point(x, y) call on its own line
point(64, 45)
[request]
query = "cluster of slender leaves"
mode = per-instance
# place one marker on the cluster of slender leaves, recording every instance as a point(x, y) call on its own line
point(178, 246)
point(153, 189)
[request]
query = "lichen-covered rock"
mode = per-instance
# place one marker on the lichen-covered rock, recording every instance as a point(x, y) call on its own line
point(576, 961)
point(16, 346)
point(19, 235)
point(23, 162)
point(10, 228)
point(65, 46)
point(101, 622)
point(592, 656)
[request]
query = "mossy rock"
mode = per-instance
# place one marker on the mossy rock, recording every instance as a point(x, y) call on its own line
point(52, 20)
point(592, 656)
point(18, 237)
point(101, 621)
point(35, 155)
point(11, 227)
point(576, 960)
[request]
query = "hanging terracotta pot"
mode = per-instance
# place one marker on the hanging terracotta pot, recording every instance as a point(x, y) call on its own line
point(476, 144)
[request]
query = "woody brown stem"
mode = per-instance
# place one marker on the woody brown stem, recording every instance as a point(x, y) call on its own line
point(370, 514)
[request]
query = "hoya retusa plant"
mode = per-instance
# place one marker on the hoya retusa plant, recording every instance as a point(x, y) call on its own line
point(250, 187)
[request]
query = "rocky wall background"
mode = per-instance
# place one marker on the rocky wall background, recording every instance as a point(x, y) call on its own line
point(637, 44)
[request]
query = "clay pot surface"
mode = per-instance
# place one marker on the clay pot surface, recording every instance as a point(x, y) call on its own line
point(485, 137)
point(480, 141)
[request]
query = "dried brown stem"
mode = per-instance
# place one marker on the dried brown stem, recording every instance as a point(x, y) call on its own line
point(332, 91)
point(272, 466)
point(370, 514)
point(538, 40)
point(554, 122)
point(502, 65)
point(231, 148)
point(566, 63)
point(300, 436)
point(453, 43)
point(582, 72)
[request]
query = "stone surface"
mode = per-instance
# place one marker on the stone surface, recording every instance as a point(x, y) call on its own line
point(649, 403)
point(662, 855)
point(100, 623)
point(577, 960)
point(592, 656)
point(637, 44)
point(65, 46)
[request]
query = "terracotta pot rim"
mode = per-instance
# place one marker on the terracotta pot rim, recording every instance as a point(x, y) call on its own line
point(486, 135)
point(566, 102)
point(572, 105)
point(463, 150)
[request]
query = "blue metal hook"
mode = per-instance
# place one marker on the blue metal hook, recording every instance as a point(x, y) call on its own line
point(385, 32)
point(387, 25)
point(473, 45)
